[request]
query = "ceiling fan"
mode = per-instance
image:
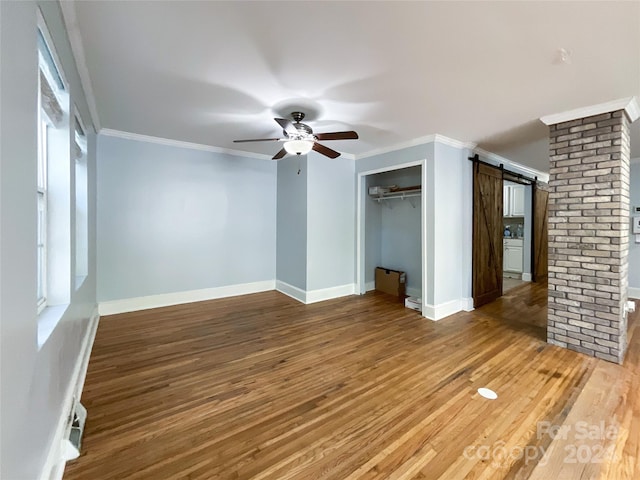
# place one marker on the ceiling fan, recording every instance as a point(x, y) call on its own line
point(299, 138)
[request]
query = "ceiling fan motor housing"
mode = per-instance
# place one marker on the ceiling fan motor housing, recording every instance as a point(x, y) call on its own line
point(297, 116)
point(304, 129)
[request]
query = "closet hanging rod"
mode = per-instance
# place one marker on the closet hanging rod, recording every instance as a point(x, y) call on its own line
point(400, 195)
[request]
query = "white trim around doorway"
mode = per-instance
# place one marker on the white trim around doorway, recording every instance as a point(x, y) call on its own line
point(361, 286)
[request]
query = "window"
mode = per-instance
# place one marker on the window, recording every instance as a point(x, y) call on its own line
point(50, 119)
point(82, 226)
point(53, 189)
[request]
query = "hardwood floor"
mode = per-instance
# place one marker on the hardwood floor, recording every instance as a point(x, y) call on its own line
point(508, 283)
point(263, 387)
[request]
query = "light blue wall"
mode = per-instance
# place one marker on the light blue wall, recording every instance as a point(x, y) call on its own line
point(330, 222)
point(292, 221)
point(173, 219)
point(634, 248)
point(395, 158)
point(34, 381)
point(451, 206)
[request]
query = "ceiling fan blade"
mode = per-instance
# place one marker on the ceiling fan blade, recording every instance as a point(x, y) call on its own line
point(287, 125)
point(280, 154)
point(326, 151)
point(258, 140)
point(350, 135)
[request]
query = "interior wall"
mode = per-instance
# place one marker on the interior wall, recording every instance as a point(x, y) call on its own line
point(174, 219)
point(291, 222)
point(634, 248)
point(400, 234)
point(34, 381)
point(330, 224)
point(452, 203)
point(395, 158)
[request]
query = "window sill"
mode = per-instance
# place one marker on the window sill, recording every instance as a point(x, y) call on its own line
point(80, 281)
point(47, 321)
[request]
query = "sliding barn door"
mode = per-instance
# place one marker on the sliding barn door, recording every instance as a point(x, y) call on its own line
point(540, 233)
point(487, 234)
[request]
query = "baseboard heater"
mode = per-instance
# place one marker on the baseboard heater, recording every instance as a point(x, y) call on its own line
point(73, 442)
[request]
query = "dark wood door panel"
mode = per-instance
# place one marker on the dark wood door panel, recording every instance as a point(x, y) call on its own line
point(487, 234)
point(540, 233)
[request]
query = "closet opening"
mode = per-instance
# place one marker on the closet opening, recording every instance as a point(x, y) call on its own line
point(391, 224)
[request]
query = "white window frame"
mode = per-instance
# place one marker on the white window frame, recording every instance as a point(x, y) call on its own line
point(55, 141)
point(81, 162)
point(43, 126)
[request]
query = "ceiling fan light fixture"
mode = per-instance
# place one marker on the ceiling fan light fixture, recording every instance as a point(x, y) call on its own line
point(298, 147)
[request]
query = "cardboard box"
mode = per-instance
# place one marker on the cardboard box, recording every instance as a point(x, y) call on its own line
point(413, 303)
point(391, 281)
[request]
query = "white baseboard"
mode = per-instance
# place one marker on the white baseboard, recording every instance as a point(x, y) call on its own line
point(527, 277)
point(634, 292)
point(291, 291)
point(320, 295)
point(313, 296)
point(466, 304)
point(437, 312)
point(54, 465)
point(369, 286)
point(112, 307)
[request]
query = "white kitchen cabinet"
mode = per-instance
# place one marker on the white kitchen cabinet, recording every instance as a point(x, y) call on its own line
point(512, 255)
point(513, 200)
point(517, 200)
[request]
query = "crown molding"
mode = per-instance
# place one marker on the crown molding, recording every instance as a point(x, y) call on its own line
point(433, 138)
point(452, 142)
point(490, 157)
point(496, 159)
point(180, 144)
point(397, 146)
point(77, 49)
point(343, 156)
point(633, 109)
point(629, 105)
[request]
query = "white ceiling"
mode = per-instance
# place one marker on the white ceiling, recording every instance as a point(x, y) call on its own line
point(482, 72)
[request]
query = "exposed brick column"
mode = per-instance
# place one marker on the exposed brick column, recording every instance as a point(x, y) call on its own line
point(589, 234)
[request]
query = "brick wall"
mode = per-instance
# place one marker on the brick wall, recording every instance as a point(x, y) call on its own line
point(589, 235)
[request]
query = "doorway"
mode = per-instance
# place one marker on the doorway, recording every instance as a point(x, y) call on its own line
point(517, 237)
point(509, 231)
point(391, 225)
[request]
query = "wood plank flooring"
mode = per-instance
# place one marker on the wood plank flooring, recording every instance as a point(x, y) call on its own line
point(263, 387)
